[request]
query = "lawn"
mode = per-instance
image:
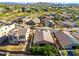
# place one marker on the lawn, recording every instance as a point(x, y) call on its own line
point(20, 47)
point(11, 16)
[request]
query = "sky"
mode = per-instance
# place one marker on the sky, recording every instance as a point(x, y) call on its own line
point(54, 1)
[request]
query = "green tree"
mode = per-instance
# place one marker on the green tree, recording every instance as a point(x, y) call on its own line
point(76, 52)
point(7, 9)
point(33, 27)
point(23, 9)
point(64, 52)
point(48, 50)
point(31, 23)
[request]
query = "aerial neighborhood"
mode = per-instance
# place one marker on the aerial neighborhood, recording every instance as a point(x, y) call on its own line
point(39, 29)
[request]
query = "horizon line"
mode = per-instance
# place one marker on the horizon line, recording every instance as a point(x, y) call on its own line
point(45, 2)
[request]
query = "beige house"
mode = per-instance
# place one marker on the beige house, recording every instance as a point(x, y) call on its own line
point(43, 37)
point(37, 21)
point(4, 30)
point(1, 10)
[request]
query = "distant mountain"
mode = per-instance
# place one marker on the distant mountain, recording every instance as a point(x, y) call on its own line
point(16, 2)
point(44, 3)
point(7, 3)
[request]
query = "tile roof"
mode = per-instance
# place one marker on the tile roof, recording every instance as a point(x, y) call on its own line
point(43, 36)
point(75, 34)
point(64, 39)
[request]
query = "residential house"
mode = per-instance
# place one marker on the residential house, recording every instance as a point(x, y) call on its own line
point(75, 34)
point(22, 33)
point(48, 23)
point(43, 37)
point(36, 21)
point(66, 23)
point(63, 40)
point(25, 19)
point(69, 23)
point(16, 41)
point(4, 30)
point(9, 40)
point(2, 10)
point(2, 22)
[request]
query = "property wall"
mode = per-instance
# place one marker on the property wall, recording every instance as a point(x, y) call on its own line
point(27, 34)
